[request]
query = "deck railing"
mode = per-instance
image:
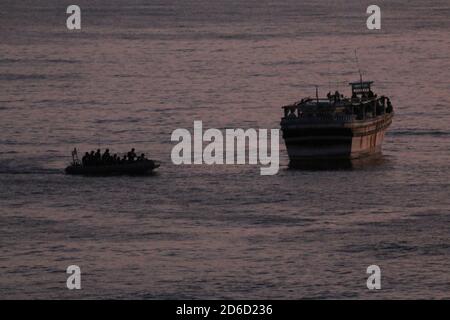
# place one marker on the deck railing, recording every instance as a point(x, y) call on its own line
point(347, 110)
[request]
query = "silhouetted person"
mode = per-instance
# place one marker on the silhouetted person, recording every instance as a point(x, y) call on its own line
point(85, 159)
point(91, 158)
point(106, 157)
point(336, 96)
point(98, 157)
point(389, 106)
point(131, 155)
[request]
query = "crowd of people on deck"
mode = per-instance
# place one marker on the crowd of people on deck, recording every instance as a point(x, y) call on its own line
point(336, 97)
point(96, 158)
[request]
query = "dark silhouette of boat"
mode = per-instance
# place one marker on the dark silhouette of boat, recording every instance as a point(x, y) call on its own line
point(135, 168)
point(336, 128)
point(140, 166)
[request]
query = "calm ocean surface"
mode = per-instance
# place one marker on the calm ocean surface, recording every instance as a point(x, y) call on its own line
point(140, 69)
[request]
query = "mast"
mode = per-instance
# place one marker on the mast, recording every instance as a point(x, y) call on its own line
point(359, 69)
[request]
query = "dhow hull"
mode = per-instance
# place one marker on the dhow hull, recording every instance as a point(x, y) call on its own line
point(334, 142)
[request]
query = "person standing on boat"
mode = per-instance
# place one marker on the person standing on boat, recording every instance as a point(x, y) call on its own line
point(131, 155)
point(98, 157)
point(106, 157)
point(85, 159)
point(337, 96)
point(91, 159)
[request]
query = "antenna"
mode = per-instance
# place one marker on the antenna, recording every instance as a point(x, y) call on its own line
point(359, 69)
point(329, 78)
